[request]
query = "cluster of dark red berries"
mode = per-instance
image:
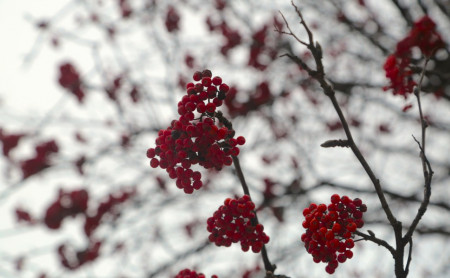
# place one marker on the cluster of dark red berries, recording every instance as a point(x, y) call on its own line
point(172, 20)
point(73, 259)
point(234, 222)
point(69, 78)
point(200, 136)
point(330, 229)
point(397, 66)
point(71, 204)
point(424, 36)
point(68, 204)
point(109, 206)
point(41, 159)
point(187, 273)
point(9, 141)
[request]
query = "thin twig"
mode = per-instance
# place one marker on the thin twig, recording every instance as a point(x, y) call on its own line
point(373, 238)
point(290, 31)
point(427, 170)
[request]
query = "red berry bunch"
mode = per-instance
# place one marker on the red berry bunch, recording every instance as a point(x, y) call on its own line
point(399, 73)
point(330, 229)
point(68, 204)
point(424, 36)
point(9, 141)
point(73, 259)
point(397, 66)
point(40, 160)
point(69, 78)
point(235, 221)
point(200, 136)
point(172, 19)
point(108, 207)
point(187, 273)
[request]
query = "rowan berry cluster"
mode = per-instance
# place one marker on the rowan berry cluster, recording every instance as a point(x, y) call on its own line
point(68, 204)
point(330, 230)
point(187, 273)
point(69, 78)
point(41, 159)
point(397, 66)
point(73, 259)
point(200, 136)
point(235, 221)
point(9, 141)
point(424, 36)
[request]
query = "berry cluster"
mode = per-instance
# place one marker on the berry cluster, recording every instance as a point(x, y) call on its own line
point(397, 66)
point(424, 36)
point(235, 221)
point(172, 20)
point(24, 216)
point(400, 75)
point(197, 139)
point(187, 273)
point(9, 141)
point(125, 8)
point(73, 259)
point(232, 37)
point(68, 204)
point(329, 230)
point(108, 207)
point(41, 159)
point(74, 203)
point(69, 78)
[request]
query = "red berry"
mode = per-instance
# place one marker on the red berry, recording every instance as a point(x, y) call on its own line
point(151, 153)
point(206, 81)
point(217, 80)
point(240, 140)
point(357, 202)
point(329, 270)
point(335, 198)
point(197, 76)
point(207, 73)
point(154, 162)
point(224, 88)
point(351, 227)
point(210, 107)
point(342, 258)
point(336, 228)
point(348, 254)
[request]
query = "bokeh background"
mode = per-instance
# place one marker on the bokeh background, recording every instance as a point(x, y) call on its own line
point(133, 59)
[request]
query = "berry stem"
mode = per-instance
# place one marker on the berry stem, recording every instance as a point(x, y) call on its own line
point(268, 266)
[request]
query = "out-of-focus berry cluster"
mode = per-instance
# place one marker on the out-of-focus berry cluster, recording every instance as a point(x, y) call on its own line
point(200, 136)
point(397, 66)
point(69, 78)
point(71, 204)
point(41, 159)
point(187, 273)
point(330, 230)
point(234, 222)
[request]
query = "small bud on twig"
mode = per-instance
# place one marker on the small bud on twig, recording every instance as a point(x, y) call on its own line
point(319, 50)
point(335, 143)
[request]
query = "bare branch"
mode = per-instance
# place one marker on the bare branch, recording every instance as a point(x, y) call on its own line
point(371, 237)
point(427, 170)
